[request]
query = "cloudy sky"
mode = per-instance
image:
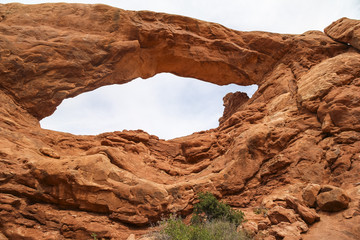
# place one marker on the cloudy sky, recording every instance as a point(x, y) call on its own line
point(169, 106)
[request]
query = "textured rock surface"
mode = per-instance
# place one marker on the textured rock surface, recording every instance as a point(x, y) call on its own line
point(290, 231)
point(332, 199)
point(310, 193)
point(307, 214)
point(279, 214)
point(232, 104)
point(301, 126)
point(345, 30)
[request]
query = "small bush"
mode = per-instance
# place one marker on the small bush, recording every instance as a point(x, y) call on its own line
point(212, 220)
point(175, 229)
point(209, 209)
point(94, 236)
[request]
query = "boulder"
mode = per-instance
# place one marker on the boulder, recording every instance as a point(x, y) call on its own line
point(310, 193)
point(289, 230)
point(263, 225)
point(332, 199)
point(250, 227)
point(309, 215)
point(279, 214)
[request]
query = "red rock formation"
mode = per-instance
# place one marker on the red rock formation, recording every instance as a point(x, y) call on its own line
point(232, 104)
point(301, 126)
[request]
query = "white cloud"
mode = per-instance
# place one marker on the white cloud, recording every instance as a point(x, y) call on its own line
point(180, 106)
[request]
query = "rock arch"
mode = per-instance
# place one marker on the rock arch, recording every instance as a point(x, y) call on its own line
point(82, 47)
point(300, 126)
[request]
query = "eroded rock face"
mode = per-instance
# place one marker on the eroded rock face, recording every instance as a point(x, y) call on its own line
point(332, 199)
point(345, 30)
point(232, 104)
point(300, 127)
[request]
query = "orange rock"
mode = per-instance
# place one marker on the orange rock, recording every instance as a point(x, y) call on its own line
point(250, 227)
point(279, 214)
point(288, 230)
point(310, 193)
point(345, 30)
point(232, 103)
point(332, 199)
point(300, 127)
point(307, 214)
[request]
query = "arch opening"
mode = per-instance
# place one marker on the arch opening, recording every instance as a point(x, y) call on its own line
point(165, 105)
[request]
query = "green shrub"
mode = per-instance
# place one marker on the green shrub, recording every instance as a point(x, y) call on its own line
point(94, 236)
point(209, 209)
point(212, 220)
point(175, 229)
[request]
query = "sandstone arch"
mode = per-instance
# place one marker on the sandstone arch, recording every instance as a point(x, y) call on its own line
point(87, 46)
point(301, 125)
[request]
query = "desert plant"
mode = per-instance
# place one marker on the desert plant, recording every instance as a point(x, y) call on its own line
point(94, 236)
point(212, 220)
point(225, 230)
point(175, 229)
point(209, 209)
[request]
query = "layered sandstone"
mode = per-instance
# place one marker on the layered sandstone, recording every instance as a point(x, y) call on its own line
point(301, 127)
